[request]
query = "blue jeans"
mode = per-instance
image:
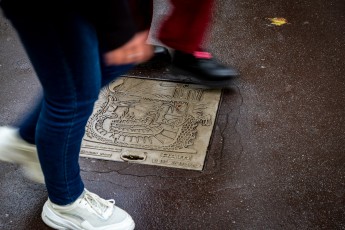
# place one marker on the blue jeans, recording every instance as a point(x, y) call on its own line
point(64, 52)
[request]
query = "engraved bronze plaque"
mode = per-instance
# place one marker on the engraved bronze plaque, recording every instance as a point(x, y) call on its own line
point(152, 122)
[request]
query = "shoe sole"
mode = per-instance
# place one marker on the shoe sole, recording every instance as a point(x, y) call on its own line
point(48, 215)
point(221, 84)
point(12, 153)
point(30, 171)
point(33, 172)
point(21, 154)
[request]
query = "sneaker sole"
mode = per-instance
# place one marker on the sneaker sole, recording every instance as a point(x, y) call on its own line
point(8, 152)
point(20, 153)
point(61, 224)
point(47, 216)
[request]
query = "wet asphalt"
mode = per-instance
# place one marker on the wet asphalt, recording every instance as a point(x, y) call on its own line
point(276, 159)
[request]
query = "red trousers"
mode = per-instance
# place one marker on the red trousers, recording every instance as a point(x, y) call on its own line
point(185, 28)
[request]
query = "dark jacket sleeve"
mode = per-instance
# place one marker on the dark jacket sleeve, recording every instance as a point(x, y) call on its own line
point(142, 12)
point(116, 21)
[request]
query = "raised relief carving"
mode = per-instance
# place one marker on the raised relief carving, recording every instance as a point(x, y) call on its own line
point(157, 117)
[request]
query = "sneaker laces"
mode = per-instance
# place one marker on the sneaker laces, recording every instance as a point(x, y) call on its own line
point(102, 207)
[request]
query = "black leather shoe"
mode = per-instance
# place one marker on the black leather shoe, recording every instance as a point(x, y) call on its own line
point(161, 54)
point(202, 64)
point(161, 57)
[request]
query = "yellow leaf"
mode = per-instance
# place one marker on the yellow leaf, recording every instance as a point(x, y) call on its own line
point(278, 21)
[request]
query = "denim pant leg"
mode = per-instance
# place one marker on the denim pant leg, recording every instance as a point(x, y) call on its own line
point(27, 128)
point(65, 55)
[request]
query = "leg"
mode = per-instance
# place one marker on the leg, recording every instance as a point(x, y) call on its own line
point(64, 54)
point(196, 14)
point(27, 128)
point(184, 31)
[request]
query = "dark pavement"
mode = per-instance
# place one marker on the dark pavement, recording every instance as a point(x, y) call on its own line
point(276, 159)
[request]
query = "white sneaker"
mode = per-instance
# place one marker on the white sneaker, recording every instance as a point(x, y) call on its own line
point(15, 150)
point(88, 212)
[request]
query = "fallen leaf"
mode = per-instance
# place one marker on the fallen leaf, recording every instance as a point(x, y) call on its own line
point(278, 21)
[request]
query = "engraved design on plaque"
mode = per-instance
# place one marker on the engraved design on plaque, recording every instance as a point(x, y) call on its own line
point(152, 122)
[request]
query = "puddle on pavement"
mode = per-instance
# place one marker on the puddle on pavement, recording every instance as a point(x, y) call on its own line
point(152, 122)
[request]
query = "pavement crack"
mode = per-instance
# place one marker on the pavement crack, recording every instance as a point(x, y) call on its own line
point(119, 171)
point(107, 171)
point(237, 124)
point(222, 135)
point(111, 182)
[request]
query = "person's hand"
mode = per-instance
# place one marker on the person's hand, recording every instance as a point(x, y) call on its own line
point(134, 51)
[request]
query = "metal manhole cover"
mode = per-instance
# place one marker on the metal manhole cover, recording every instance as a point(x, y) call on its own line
point(152, 122)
